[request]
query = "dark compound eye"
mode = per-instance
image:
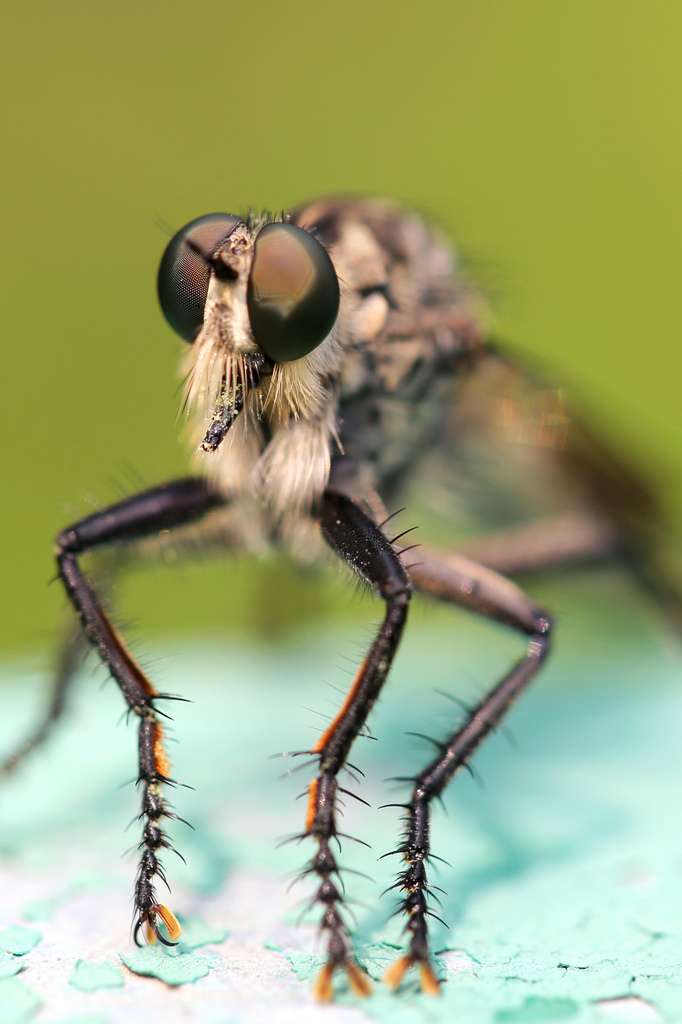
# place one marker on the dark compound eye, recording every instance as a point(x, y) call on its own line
point(185, 271)
point(293, 292)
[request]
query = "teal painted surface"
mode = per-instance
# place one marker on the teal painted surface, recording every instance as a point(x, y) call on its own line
point(9, 964)
point(181, 969)
point(19, 939)
point(566, 869)
point(90, 977)
point(18, 1002)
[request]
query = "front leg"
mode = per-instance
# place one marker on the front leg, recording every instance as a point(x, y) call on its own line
point(160, 509)
point(360, 542)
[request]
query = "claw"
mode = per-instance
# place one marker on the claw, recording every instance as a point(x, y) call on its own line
point(429, 982)
point(323, 989)
point(397, 971)
point(357, 979)
point(173, 926)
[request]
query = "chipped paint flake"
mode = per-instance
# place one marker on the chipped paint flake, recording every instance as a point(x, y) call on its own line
point(89, 977)
point(9, 964)
point(18, 1002)
point(172, 970)
point(19, 939)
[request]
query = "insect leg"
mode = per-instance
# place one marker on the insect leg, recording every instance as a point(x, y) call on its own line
point(360, 543)
point(160, 509)
point(576, 538)
point(70, 657)
point(564, 539)
point(459, 581)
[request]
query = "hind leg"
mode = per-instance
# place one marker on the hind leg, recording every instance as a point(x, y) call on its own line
point(70, 658)
point(459, 581)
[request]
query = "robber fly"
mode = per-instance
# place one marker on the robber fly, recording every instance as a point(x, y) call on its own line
point(329, 353)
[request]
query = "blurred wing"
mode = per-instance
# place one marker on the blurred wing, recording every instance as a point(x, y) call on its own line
point(513, 450)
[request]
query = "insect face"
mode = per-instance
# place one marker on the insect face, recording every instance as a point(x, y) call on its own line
point(257, 301)
point(248, 295)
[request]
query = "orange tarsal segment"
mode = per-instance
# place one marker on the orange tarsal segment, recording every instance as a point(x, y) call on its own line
point(358, 980)
point(163, 763)
point(396, 972)
point(312, 802)
point(323, 988)
point(430, 983)
point(173, 926)
point(321, 743)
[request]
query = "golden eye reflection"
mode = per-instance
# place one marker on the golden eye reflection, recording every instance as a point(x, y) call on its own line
point(283, 272)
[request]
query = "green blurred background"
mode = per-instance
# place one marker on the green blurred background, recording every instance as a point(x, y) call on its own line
point(545, 136)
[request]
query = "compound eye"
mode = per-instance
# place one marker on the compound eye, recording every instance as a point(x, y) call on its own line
point(185, 271)
point(292, 294)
